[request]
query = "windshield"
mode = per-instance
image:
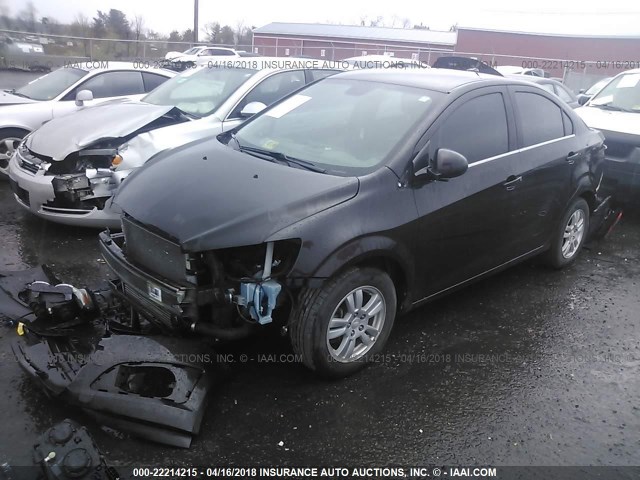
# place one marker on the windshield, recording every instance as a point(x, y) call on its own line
point(347, 127)
point(52, 84)
point(623, 93)
point(192, 50)
point(199, 92)
point(597, 86)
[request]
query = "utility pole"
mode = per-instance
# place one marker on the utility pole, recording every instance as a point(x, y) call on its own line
point(195, 21)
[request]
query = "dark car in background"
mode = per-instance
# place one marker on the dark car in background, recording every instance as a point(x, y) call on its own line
point(352, 201)
point(465, 63)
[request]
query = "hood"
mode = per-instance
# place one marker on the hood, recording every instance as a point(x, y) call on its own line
point(114, 119)
point(208, 196)
point(622, 122)
point(145, 145)
point(8, 98)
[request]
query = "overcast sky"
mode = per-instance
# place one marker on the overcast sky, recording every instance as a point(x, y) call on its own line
point(613, 17)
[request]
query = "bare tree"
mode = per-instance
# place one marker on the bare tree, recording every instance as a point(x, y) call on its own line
point(137, 27)
point(81, 27)
point(377, 22)
point(406, 23)
point(28, 16)
point(212, 32)
point(239, 31)
point(3, 8)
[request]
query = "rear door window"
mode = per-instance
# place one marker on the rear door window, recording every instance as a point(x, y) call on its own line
point(564, 94)
point(111, 84)
point(272, 89)
point(539, 118)
point(317, 74)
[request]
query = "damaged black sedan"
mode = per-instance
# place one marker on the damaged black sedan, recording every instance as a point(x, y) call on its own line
point(353, 201)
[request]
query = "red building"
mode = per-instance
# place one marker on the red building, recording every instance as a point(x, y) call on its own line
point(337, 42)
point(590, 56)
point(600, 55)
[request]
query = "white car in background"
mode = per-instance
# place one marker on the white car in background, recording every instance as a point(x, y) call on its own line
point(514, 70)
point(68, 170)
point(188, 51)
point(67, 90)
point(201, 56)
point(615, 111)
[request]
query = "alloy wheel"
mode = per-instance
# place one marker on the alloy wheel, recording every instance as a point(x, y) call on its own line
point(573, 234)
point(356, 323)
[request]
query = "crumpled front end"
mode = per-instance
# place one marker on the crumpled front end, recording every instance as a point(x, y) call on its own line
point(225, 293)
point(73, 191)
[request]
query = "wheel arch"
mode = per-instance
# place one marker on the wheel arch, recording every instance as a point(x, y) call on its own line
point(378, 252)
point(26, 129)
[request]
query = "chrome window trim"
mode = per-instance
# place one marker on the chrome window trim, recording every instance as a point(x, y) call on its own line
point(520, 150)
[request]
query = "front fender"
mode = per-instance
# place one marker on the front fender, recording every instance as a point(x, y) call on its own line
point(381, 250)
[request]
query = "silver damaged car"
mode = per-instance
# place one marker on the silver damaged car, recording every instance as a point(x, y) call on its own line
point(68, 90)
point(67, 170)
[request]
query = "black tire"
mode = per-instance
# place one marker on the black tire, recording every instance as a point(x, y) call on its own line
point(309, 326)
point(555, 257)
point(6, 133)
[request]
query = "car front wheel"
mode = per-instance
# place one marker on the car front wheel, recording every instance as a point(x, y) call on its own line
point(10, 138)
point(570, 235)
point(339, 327)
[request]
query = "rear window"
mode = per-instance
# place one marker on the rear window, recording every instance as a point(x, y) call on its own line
point(152, 80)
point(539, 118)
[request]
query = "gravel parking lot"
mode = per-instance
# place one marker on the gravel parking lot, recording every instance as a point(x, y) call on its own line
point(530, 367)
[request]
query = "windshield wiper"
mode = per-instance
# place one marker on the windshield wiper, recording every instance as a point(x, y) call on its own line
point(613, 108)
point(280, 157)
point(18, 94)
point(188, 114)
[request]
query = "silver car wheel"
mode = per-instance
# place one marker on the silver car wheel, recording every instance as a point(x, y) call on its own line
point(356, 323)
point(8, 146)
point(573, 233)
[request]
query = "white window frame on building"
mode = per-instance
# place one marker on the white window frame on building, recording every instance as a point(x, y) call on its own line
point(286, 51)
point(415, 56)
point(323, 52)
point(364, 53)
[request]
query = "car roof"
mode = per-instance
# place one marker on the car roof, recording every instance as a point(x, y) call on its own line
point(439, 79)
point(106, 65)
point(533, 78)
point(634, 70)
point(272, 64)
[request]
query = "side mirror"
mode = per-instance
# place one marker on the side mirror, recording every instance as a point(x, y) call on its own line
point(446, 164)
point(250, 109)
point(449, 164)
point(582, 99)
point(582, 90)
point(83, 96)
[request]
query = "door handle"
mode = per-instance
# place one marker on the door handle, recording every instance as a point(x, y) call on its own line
point(511, 182)
point(572, 157)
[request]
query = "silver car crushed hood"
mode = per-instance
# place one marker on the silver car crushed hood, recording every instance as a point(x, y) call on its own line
point(114, 119)
point(8, 98)
point(612, 121)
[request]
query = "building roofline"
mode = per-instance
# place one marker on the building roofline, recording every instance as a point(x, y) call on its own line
point(364, 28)
point(540, 34)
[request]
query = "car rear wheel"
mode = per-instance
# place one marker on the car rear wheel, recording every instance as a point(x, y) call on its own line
point(339, 327)
point(570, 235)
point(9, 140)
